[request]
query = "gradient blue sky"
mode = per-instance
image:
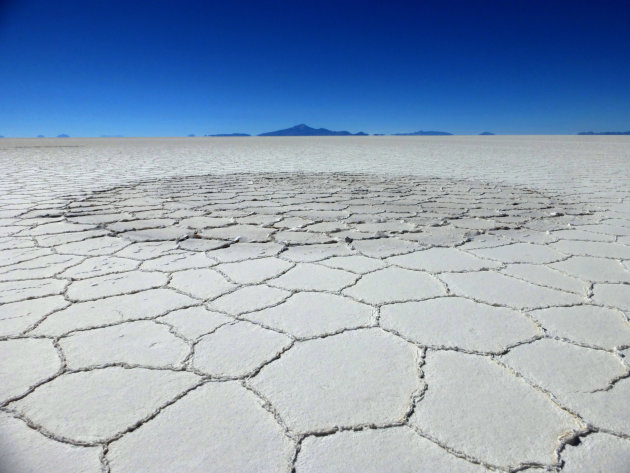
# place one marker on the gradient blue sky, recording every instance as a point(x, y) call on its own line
point(167, 68)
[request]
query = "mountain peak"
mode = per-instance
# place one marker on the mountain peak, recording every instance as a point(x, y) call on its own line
point(305, 130)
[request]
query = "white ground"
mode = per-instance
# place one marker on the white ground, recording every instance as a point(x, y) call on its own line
point(368, 304)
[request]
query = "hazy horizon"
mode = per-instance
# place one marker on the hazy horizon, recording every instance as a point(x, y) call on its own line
point(375, 134)
point(267, 137)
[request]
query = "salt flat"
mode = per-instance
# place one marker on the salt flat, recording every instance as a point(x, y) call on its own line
point(366, 304)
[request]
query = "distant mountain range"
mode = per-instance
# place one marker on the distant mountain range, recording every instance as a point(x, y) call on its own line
point(604, 133)
point(305, 130)
point(425, 133)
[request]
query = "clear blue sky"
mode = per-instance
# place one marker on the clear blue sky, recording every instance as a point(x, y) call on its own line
point(164, 68)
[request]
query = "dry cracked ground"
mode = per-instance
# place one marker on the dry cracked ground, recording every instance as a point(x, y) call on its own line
point(311, 322)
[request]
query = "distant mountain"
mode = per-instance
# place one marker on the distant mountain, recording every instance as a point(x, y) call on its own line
point(425, 133)
point(40, 136)
point(229, 134)
point(486, 133)
point(305, 130)
point(63, 135)
point(604, 133)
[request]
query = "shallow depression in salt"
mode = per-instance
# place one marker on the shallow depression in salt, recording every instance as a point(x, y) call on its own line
point(355, 304)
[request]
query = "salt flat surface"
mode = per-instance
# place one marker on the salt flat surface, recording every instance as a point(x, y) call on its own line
point(408, 304)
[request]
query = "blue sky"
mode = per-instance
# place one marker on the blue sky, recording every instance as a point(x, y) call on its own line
point(170, 68)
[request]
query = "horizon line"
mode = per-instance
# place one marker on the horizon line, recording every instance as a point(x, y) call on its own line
point(367, 135)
